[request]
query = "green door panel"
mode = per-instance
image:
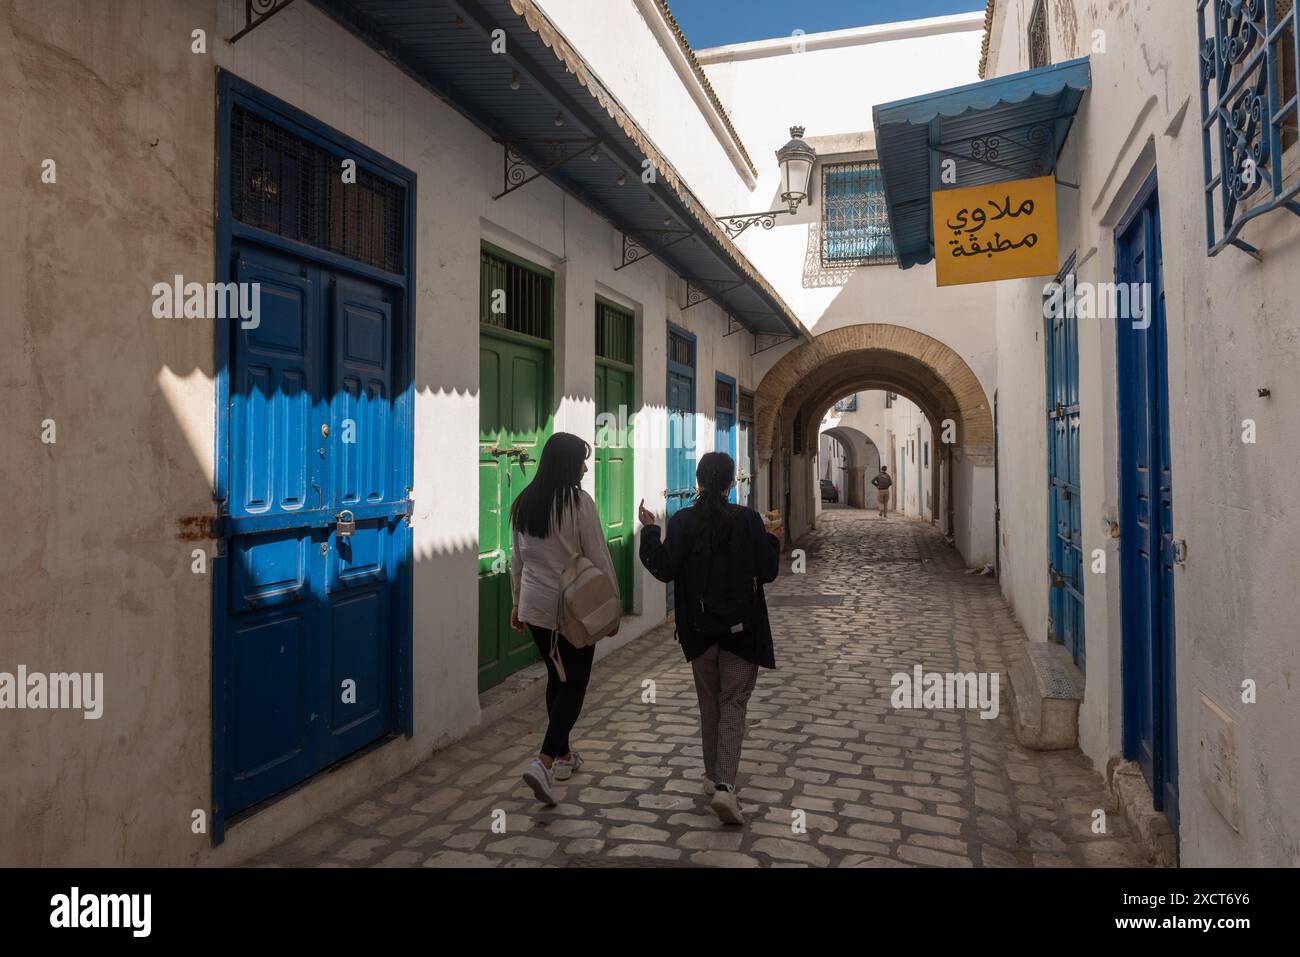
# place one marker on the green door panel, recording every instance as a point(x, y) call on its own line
point(614, 472)
point(513, 382)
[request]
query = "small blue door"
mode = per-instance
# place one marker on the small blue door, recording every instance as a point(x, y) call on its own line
point(724, 418)
point(1146, 510)
point(681, 425)
point(1065, 529)
point(311, 621)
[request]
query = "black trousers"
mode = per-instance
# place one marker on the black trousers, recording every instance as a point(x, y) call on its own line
point(563, 698)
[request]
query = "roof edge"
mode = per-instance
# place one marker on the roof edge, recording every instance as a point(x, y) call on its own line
point(853, 36)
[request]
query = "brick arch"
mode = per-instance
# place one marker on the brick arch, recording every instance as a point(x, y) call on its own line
point(879, 355)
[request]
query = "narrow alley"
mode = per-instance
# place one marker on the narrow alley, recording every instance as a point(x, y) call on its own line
point(878, 786)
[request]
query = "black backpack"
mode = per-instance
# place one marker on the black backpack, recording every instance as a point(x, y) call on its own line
point(722, 585)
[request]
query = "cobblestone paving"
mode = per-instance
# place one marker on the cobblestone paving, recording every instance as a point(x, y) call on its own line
point(878, 787)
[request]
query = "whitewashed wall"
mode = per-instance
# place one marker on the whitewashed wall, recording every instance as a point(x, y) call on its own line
point(1232, 329)
point(99, 580)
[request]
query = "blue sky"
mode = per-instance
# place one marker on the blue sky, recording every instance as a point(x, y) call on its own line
point(711, 23)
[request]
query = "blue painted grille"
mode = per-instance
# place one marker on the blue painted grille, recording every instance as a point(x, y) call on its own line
point(855, 228)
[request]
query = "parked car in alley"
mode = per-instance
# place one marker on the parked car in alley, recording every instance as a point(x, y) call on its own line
point(829, 492)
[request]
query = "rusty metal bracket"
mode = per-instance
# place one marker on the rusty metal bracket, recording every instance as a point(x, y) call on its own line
point(634, 250)
point(257, 12)
point(698, 290)
point(776, 339)
point(557, 152)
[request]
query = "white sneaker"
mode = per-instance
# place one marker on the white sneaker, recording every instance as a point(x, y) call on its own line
point(726, 805)
point(539, 777)
point(563, 768)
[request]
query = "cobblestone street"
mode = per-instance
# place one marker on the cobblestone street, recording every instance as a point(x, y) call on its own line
point(879, 786)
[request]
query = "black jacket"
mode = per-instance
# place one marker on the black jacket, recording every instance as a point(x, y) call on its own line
point(665, 561)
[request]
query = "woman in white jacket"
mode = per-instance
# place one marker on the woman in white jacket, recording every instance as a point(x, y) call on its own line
point(552, 518)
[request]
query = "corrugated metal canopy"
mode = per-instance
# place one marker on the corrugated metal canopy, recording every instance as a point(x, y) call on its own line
point(1009, 127)
point(447, 45)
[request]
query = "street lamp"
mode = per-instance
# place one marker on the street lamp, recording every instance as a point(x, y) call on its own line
point(796, 159)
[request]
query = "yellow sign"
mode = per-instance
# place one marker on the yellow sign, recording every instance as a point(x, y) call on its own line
point(997, 231)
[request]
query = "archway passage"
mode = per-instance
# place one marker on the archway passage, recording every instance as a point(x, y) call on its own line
point(807, 381)
point(880, 356)
point(862, 459)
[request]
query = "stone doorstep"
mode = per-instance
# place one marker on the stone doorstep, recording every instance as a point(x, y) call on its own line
point(1046, 690)
point(1125, 783)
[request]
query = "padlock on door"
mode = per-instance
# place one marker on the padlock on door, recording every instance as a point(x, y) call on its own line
point(345, 524)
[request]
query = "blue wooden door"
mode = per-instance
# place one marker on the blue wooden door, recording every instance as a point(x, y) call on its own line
point(1146, 512)
point(311, 621)
point(1065, 532)
point(681, 426)
point(724, 420)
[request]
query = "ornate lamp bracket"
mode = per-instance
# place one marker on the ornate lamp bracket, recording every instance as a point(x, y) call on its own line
point(737, 223)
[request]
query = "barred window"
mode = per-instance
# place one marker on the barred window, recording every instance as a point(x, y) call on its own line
point(289, 186)
point(681, 349)
point(1286, 67)
point(1040, 44)
point(746, 410)
point(615, 333)
point(515, 296)
point(855, 227)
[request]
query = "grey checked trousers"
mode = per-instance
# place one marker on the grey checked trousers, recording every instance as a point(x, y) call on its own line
point(723, 682)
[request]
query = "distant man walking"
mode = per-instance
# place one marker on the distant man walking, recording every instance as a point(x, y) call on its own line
point(882, 482)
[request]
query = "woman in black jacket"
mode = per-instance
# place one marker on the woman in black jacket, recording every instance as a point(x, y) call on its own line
point(718, 557)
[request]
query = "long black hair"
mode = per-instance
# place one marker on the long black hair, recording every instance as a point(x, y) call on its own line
point(715, 474)
point(556, 485)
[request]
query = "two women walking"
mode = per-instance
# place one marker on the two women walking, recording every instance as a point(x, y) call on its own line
point(717, 555)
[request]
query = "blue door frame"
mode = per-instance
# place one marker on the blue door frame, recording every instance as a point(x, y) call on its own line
point(724, 421)
point(354, 350)
point(681, 430)
point(1065, 522)
point(1146, 511)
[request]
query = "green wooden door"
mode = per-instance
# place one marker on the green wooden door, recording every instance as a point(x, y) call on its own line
point(512, 378)
point(614, 470)
point(514, 391)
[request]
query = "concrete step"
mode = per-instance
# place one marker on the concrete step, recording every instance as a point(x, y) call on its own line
point(1129, 788)
point(1046, 690)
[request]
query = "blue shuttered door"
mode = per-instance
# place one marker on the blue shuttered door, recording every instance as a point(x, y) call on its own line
point(310, 623)
point(1146, 514)
point(1065, 545)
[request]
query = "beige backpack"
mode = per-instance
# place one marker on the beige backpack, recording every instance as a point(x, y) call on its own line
point(589, 606)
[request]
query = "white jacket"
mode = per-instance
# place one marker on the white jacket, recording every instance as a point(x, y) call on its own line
point(537, 563)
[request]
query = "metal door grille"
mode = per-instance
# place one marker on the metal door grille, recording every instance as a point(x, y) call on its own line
point(724, 396)
point(745, 411)
point(615, 333)
point(514, 297)
point(680, 349)
point(291, 187)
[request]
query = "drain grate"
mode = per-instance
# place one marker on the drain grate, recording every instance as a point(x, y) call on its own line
point(804, 601)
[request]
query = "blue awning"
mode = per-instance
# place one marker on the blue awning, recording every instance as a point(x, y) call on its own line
point(541, 100)
point(1009, 127)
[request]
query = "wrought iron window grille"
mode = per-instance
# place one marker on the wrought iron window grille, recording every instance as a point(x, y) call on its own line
point(1249, 110)
point(855, 219)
